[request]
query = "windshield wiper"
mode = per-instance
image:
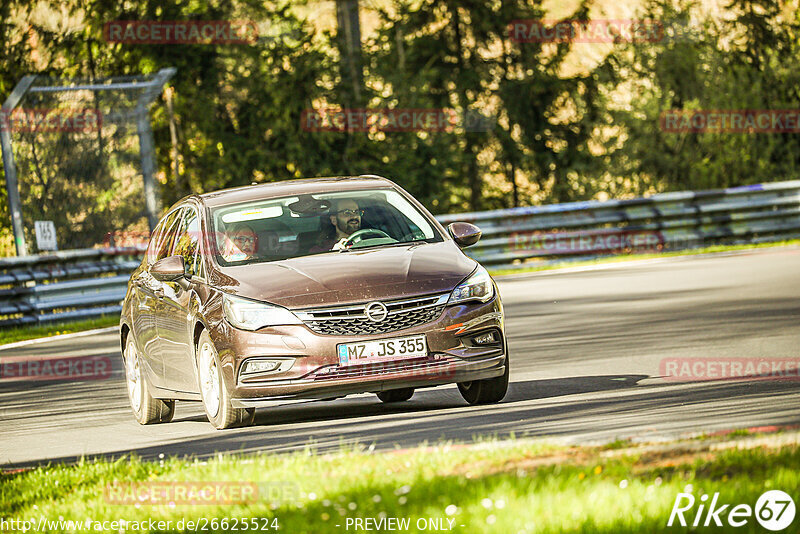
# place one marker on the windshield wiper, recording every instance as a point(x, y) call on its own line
point(399, 243)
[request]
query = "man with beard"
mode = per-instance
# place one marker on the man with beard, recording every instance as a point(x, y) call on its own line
point(345, 217)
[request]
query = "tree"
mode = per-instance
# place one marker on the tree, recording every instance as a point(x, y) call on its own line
point(748, 61)
point(461, 55)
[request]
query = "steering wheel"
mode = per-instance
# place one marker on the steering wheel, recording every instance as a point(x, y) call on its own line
point(358, 236)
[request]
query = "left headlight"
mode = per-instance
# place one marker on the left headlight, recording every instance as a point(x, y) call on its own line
point(251, 315)
point(477, 287)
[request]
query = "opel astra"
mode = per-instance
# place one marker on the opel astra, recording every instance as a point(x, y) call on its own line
point(307, 289)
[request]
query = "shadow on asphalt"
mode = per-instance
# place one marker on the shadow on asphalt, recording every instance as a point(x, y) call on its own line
point(426, 400)
point(440, 414)
point(432, 414)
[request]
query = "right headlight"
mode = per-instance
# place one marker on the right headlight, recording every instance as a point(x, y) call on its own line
point(252, 315)
point(478, 286)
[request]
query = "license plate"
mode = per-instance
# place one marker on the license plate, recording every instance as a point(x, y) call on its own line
point(399, 348)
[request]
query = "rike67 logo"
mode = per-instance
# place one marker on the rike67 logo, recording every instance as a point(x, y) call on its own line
point(774, 510)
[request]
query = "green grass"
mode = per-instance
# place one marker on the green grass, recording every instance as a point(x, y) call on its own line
point(513, 486)
point(630, 257)
point(53, 329)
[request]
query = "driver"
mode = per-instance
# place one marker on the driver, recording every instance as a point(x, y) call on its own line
point(345, 217)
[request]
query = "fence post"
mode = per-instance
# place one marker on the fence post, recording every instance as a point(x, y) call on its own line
point(10, 166)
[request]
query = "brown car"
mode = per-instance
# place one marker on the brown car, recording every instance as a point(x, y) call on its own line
point(315, 288)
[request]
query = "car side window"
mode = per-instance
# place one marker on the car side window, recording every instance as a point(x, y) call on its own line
point(167, 236)
point(187, 242)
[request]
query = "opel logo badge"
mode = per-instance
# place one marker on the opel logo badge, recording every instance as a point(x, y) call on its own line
point(376, 311)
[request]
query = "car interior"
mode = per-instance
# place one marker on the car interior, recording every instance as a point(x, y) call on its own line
point(294, 234)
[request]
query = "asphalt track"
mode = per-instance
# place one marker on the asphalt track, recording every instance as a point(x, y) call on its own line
point(585, 350)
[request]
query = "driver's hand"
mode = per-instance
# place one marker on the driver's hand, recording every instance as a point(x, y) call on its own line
point(339, 245)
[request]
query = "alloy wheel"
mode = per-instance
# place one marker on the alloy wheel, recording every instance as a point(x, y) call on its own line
point(209, 379)
point(133, 376)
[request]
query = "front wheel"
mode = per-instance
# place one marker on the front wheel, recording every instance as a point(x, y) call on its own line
point(216, 398)
point(488, 391)
point(146, 409)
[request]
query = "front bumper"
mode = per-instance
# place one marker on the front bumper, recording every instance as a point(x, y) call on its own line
point(310, 389)
point(316, 373)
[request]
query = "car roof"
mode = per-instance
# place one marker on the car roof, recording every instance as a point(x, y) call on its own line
point(293, 187)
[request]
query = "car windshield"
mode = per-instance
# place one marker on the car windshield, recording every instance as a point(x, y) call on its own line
point(301, 225)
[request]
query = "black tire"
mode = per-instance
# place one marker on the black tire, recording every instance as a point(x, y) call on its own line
point(487, 391)
point(221, 413)
point(146, 409)
point(396, 395)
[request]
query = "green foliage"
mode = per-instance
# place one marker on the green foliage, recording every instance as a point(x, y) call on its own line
point(554, 132)
point(749, 61)
point(22, 333)
point(460, 55)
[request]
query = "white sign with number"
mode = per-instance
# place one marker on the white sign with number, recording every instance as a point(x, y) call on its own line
point(45, 235)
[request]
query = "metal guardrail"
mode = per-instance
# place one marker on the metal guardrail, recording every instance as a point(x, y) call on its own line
point(88, 283)
point(541, 235)
point(67, 285)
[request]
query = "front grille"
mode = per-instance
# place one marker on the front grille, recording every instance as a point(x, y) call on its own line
point(439, 366)
point(352, 320)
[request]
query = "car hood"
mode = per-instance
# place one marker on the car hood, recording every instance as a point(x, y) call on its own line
point(349, 277)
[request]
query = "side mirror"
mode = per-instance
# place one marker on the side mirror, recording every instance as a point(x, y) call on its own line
point(170, 269)
point(464, 234)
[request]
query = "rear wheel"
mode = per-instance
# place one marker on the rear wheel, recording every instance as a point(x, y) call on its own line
point(396, 395)
point(487, 391)
point(216, 398)
point(146, 409)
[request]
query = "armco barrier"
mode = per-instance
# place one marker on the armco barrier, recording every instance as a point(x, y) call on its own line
point(522, 237)
point(72, 284)
point(88, 283)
